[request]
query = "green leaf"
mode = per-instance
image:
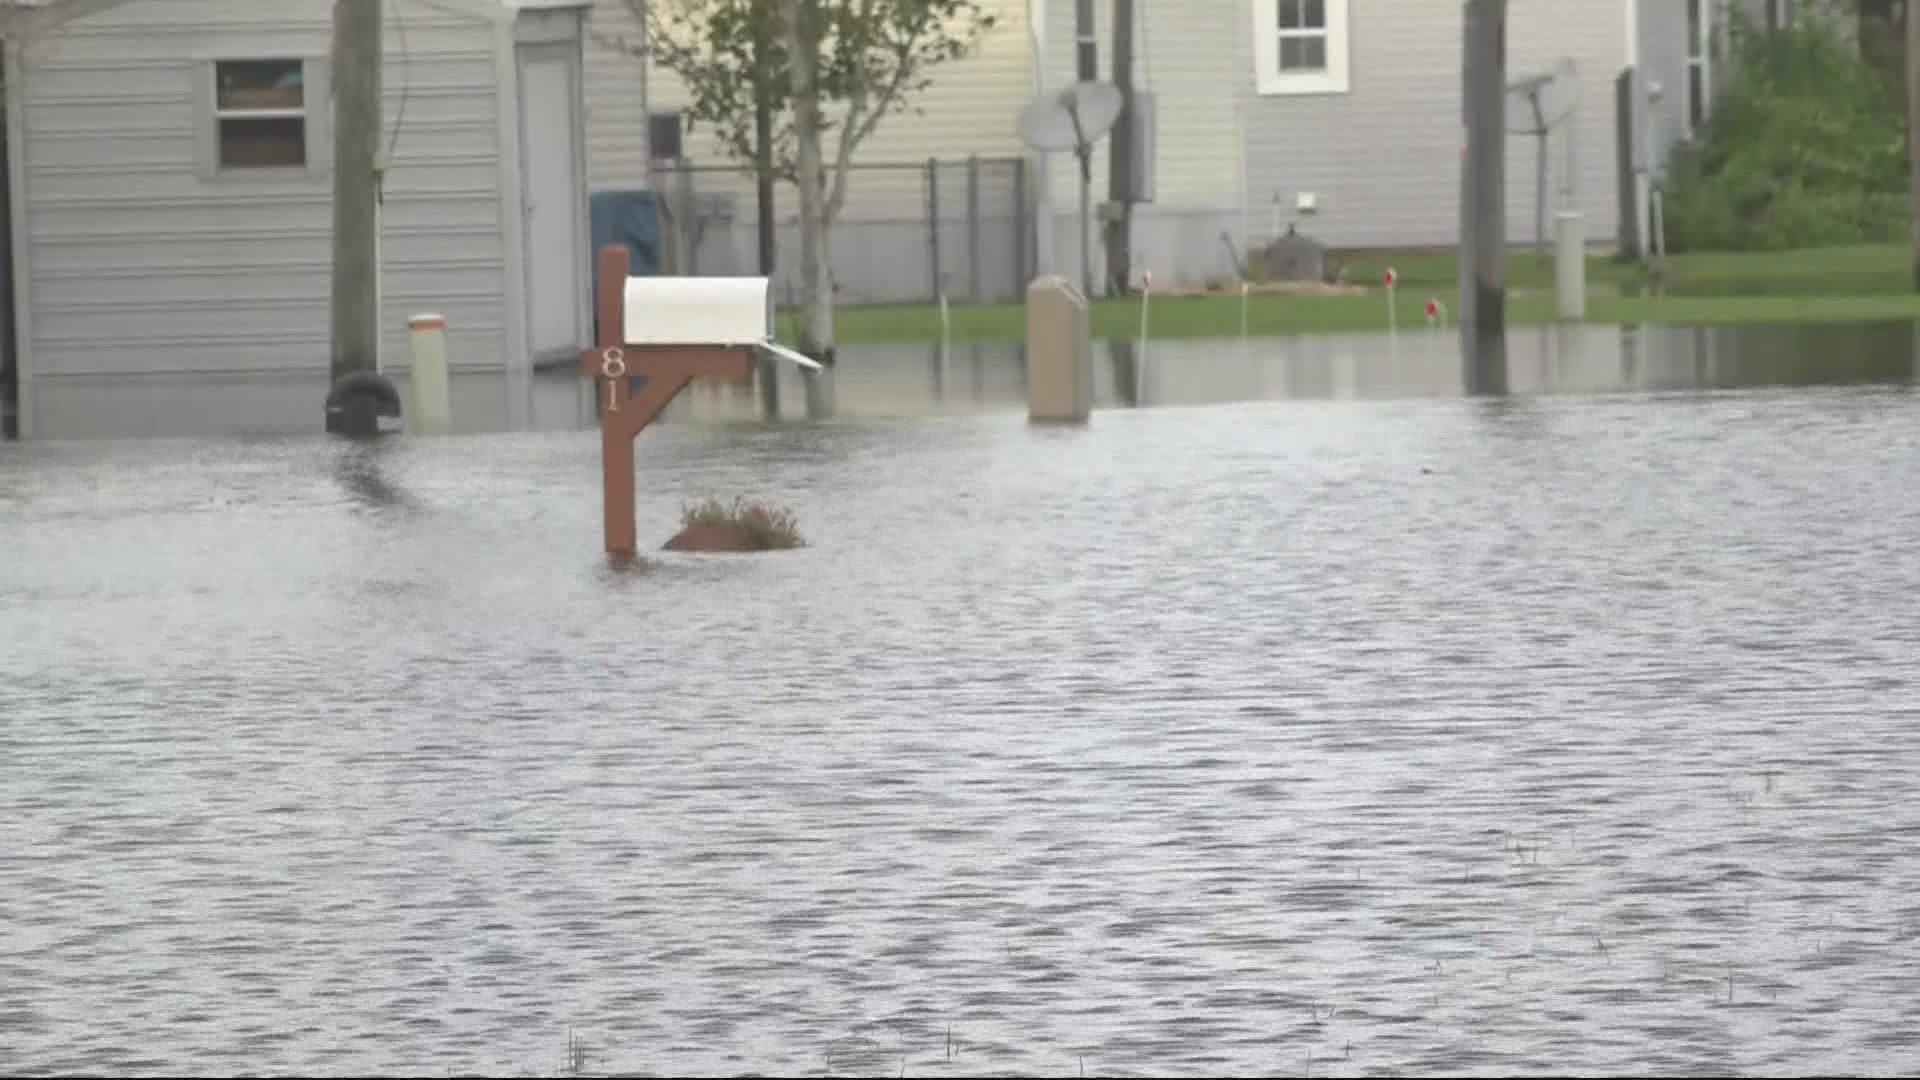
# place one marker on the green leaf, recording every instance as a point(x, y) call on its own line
point(1805, 147)
point(875, 56)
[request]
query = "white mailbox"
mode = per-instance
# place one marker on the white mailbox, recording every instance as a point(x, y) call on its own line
point(698, 311)
point(733, 311)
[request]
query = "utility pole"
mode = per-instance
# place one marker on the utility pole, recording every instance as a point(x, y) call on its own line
point(1119, 230)
point(357, 64)
point(1913, 133)
point(1086, 68)
point(1483, 199)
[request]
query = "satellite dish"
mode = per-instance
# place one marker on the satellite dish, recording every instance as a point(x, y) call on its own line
point(1072, 119)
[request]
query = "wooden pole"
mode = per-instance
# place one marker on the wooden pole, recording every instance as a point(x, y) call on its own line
point(635, 384)
point(356, 185)
point(1913, 134)
point(1483, 202)
point(1086, 68)
point(616, 442)
point(1119, 231)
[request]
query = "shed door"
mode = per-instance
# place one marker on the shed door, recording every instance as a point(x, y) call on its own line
point(552, 188)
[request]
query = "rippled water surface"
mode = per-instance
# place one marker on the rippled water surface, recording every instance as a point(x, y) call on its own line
point(1569, 736)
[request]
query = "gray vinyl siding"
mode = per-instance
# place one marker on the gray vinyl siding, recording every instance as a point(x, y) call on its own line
point(140, 269)
point(1384, 158)
point(1184, 57)
point(616, 83)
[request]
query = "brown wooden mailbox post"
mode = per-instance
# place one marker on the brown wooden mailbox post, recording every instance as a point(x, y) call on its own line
point(636, 381)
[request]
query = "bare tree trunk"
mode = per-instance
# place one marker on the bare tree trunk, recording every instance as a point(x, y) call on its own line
point(816, 286)
point(768, 366)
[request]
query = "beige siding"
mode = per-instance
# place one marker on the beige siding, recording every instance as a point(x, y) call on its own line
point(138, 266)
point(616, 98)
point(969, 108)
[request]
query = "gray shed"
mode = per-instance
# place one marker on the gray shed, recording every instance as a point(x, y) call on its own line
point(169, 207)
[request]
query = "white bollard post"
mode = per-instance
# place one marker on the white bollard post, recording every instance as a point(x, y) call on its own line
point(1570, 265)
point(1393, 316)
point(1146, 297)
point(432, 406)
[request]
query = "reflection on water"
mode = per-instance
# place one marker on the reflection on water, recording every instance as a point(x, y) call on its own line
point(359, 468)
point(1561, 735)
point(900, 381)
point(895, 381)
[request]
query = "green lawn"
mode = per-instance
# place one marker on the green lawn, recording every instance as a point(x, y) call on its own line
point(1835, 284)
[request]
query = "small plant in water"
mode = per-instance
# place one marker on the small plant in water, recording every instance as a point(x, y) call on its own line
point(765, 528)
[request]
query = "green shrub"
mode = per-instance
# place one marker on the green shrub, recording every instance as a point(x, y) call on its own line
point(1805, 147)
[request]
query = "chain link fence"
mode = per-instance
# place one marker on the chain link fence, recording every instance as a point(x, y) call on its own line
point(909, 232)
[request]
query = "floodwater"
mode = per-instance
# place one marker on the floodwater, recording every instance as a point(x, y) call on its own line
point(1588, 358)
point(1572, 734)
point(895, 381)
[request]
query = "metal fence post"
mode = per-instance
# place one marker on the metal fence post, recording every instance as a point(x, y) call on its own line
point(973, 228)
point(1626, 163)
point(933, 228)
point(689, 220)
point(1020, 231)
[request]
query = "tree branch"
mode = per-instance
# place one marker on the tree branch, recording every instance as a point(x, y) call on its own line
point(856, 126)
point(874, 55)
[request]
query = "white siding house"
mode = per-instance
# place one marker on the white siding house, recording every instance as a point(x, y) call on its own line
point(883, 245)
point(169, 166)
point(1355, 104)
point(616, 97)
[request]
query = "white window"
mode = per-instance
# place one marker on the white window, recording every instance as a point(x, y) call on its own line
point(1300, 46)
point(260, 113)
point(262, 116)
point(1699, 62)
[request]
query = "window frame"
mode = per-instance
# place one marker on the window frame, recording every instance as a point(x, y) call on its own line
point(1270, 80)
point(315, 112)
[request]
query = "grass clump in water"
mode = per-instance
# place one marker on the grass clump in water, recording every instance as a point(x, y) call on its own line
point(759, 526)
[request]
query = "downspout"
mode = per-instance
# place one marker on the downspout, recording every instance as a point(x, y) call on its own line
point(1641, 119)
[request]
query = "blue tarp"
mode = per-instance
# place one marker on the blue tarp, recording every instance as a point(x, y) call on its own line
point(631, 218)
